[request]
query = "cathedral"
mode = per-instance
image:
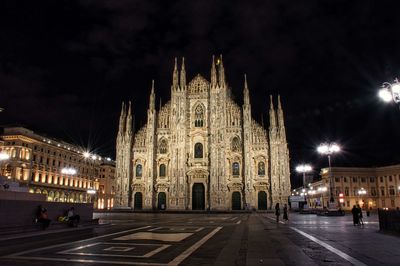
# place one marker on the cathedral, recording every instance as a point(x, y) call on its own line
point(202, 151)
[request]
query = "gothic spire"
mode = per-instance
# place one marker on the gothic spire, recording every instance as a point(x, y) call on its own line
point(221, 73)
point(152, 97)
point(183, 75)
point(129, 120)
point(121, 128)
point(281, 122)
point(272, 117)
point(246, 92)
point(213, 73)
point(175, 76)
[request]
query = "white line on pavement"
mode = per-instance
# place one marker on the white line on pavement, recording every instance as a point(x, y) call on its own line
point(238, 222)
point(190, 250)
point(330, 248)
point(15, 255)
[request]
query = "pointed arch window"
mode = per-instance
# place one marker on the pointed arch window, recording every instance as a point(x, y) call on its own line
point(163, 146)
point(198, 150)
point(261, 168)
point(198, 116)
point(235, 144)
point(235, 169)
point(163, 170)
point(139, 170)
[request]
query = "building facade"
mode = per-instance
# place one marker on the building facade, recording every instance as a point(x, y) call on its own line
point(48, 166)
point(377, 187)
point(106, 185)
point(201, 150)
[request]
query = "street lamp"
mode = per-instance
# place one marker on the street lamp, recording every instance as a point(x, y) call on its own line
point(304, 168)
point(329, 149)
point(390, 92)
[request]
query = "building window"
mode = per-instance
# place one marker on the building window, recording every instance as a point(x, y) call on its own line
point(337, 190)
point(373, 191)
point(337, 179)
point(392, 203)
point(139, 170)
point(348, 203)
point(381, 179)
point(235, 168)
point(163, 146)
point(391, 191)
point(382, 191)
point(261, 168)
point(383, 203)
point(345, 179)
point(363, 180)
point(198, 150)
point(354, 179)
point(346, 191)
point(372, 179)
point(235, 144)
point(163, 170)
point(198, 116)
point(390, 178)
point(355, 191)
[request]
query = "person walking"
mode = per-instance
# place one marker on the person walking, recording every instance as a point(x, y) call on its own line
point(285, 213)
point(354, 212)
point(277, 212)
point(360, 215)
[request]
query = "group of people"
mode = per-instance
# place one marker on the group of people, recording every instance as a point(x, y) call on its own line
point(278, 212)
point(357, 215)
point(42, 217)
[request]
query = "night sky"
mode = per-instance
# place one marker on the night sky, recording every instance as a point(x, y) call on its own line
point(66, 66)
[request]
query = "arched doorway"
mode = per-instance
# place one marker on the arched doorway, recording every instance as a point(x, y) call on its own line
point(162, 201)
point(198, 196)
point(138, 201)
point(236, 205)
point(262, 200)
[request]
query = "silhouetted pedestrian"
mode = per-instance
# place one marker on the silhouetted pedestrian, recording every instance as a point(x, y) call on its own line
point(354, 212)
point(360, 215)
point(42, 217)
point(277, 212)
point(285, 213)
point(73, 219)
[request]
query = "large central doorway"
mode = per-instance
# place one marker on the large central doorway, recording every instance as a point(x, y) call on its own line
point(262, 200)
point(198, 197)
point(236, 201)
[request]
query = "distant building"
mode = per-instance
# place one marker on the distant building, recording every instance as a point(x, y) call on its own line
point(106, 191)
point(376, 187)
point(201, 150)
point(49, 166)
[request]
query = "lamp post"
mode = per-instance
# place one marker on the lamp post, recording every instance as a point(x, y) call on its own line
point(304, 168)
point(329, 149)
point(390, 92)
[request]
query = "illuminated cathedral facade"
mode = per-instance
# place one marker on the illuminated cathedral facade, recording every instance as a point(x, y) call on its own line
point(202, 151)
